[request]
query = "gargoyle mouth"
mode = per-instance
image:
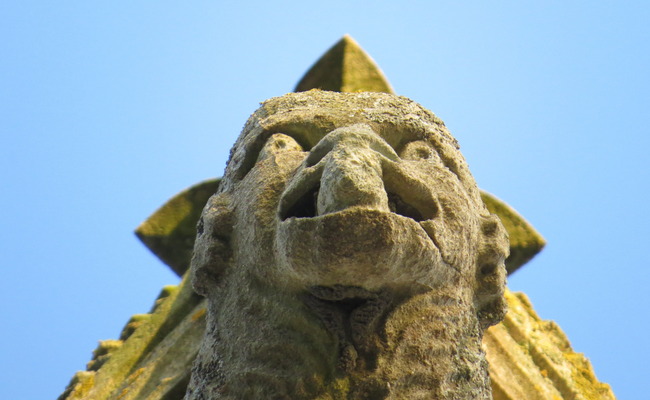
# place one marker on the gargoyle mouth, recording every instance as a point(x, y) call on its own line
point(357, 246)
point(305, 206)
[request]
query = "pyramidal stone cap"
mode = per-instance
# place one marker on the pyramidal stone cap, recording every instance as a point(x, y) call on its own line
point(345, 67)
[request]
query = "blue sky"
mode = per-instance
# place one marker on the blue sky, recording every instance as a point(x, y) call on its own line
point(108, 109)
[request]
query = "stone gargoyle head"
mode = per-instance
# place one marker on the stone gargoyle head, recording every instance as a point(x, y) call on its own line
point(346, 254)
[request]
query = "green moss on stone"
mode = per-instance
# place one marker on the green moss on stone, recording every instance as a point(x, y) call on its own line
point(79, 386)
point(134, 322)
point(103, 353)
point(170, 231)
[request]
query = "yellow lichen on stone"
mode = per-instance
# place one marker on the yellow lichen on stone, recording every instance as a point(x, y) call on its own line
point(118, 375)
point(198, 314)
point(532, 359)
point(127, 386)
point(339, 389)
point(134, 322)
point(102, 353)
point(165, 293)
point(79, 385)
point(165, 368)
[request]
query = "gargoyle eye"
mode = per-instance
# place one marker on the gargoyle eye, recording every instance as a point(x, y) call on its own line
point(418, 150)
point(278, 143)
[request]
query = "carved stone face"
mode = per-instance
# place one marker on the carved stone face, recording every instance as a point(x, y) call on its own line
point(347, 252)
point(366, 190)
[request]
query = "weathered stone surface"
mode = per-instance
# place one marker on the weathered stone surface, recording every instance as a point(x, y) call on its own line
point(346, 67)
point(346, 254)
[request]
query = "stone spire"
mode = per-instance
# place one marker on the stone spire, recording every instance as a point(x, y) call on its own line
point(529, 358)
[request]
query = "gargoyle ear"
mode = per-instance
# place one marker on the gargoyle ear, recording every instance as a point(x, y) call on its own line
point(525, 241)
point(491, 272)
point(170, 231)
point(212, 252)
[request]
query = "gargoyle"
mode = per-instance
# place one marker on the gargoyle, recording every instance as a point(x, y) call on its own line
point(346, 255)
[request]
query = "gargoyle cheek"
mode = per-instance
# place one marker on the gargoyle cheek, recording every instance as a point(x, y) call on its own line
point(212, 252)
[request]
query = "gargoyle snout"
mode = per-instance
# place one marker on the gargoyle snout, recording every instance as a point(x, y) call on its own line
point(351, 159)
point(348, 168)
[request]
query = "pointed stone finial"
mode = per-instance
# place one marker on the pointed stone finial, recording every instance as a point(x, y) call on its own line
point(345, 67)
point(170, 231)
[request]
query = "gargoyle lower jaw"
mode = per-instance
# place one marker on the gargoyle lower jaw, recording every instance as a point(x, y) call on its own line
point(358, 246)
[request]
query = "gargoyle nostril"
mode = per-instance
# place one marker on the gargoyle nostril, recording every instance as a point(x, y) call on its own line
point(399, 206)
point(304, 207)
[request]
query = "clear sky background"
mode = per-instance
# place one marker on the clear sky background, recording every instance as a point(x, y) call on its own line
point(107, 109)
